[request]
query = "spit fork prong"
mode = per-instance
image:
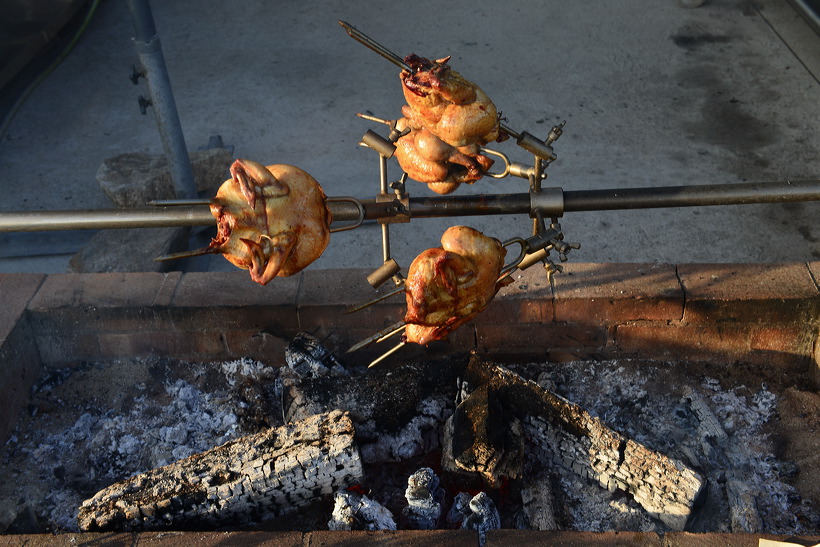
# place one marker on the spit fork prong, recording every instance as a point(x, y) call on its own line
point(383, 334)
point(386, 354)
point(398, 290)
point(362, 38)
point(185, 254)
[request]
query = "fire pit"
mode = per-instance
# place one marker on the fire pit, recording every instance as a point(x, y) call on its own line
point(709, 365)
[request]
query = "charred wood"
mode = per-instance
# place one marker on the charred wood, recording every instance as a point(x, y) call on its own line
point(249, 479)
point(424, 497)
point(581, 443)
point(353, 511)
point(475, 513)
point(537, 504)
point(720, 450)
point(483, 438)
point(398, 411)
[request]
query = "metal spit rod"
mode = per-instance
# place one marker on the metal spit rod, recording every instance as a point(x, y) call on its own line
point(198, 214)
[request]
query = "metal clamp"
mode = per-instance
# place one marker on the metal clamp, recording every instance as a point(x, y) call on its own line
point(399, 209)
point(384, 272)
point(378, 143)
point(356, 223)
point(548, 202)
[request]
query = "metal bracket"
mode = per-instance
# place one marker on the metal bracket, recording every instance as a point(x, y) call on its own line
point(548, 202)
point(400, 208)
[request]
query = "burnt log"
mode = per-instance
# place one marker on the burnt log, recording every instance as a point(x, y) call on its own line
point(721, 451)
point(250, 479)
point(537, 503)
point(397, 411)
point(583, 444)
point(482, 437)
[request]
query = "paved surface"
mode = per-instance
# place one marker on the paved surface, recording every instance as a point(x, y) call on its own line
point(654, 94)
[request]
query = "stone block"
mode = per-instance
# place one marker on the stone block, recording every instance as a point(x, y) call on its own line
point(112, 290)
point(177, 344)
point(747, 293)
point(131, 180)
point(129, 250)
point(688, 539)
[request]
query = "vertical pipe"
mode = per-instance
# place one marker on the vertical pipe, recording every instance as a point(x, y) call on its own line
point(385, 225)
point(149, 50)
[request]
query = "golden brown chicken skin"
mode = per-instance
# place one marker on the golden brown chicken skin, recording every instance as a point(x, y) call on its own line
point(428, 159)
point(272, 221)
point(449, 285)
point(453, 108)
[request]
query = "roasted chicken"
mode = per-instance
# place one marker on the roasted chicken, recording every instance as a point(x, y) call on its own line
point(453, 108)
point(449, 285)
point(426, 158)
point(272, 221)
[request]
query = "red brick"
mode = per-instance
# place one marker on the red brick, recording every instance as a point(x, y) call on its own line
point(527, 299)
point(776, 346)
point(683, 341)
point(540, 337)
point(230, 300)
point(325, 295)
point(746, 293)
point(814, 270)
point(687, 539)
point(591, 293)
point(66, 348)
point(179, 345)
point(790, 339)
point(525, 538)
point(725, 342)
point(16, 290)
point(263, 346)
point(416, 538)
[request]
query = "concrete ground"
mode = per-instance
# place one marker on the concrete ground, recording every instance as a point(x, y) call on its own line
point(654, 94)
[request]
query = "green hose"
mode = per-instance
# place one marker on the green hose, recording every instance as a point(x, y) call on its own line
point(43, 75)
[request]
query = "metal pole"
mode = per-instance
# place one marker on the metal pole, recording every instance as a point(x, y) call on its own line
point(149, 50)
point(692, 196)
point(198, 214)
point(154, 217)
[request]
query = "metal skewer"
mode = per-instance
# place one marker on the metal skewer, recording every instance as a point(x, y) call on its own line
point(364, 39)
point(386, 354)
point(383, 334)
point(359, 307)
